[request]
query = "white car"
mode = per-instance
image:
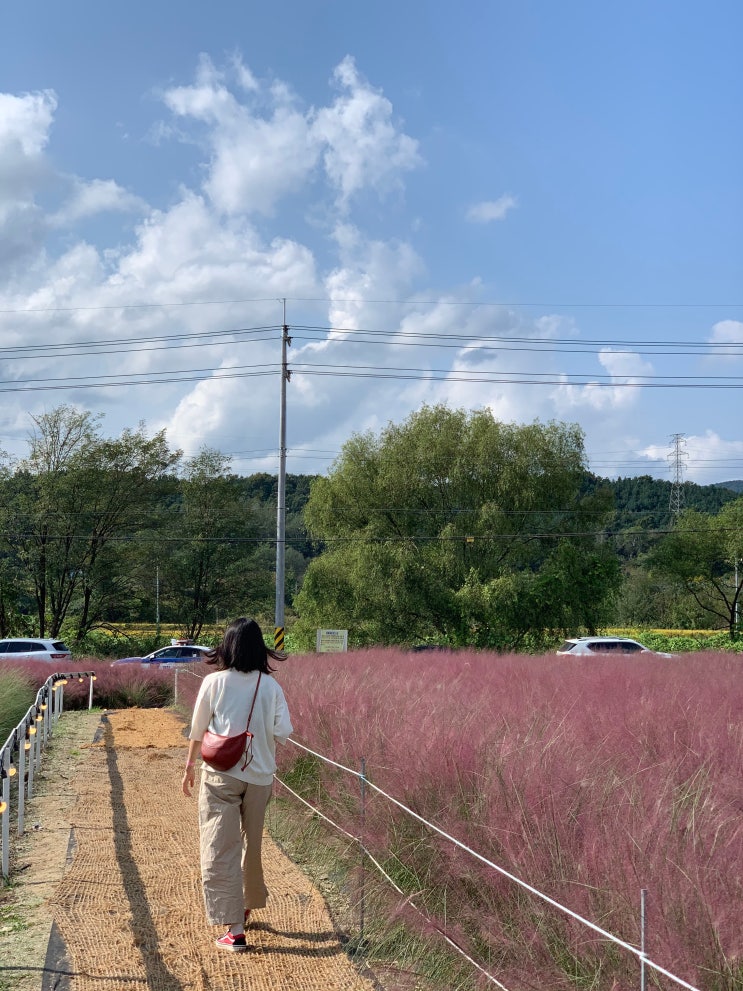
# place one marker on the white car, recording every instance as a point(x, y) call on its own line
point(35, 649)
point(582, 646)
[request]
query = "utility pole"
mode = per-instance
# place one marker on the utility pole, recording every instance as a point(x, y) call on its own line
point(157, 604)
point(677, 458)
point(278, 633)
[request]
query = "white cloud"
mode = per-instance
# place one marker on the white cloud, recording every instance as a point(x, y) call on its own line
point(259, 146)
point(269, 146)
point(255, 160)
point(556, 325)
point(362, 147)
point(625, 370)
point(726, 340)
point(25, 122)
point(96, 196)
point(261, 149)
point(367, 267)
point(727, 332)
point(245, 78)
point(489, 210)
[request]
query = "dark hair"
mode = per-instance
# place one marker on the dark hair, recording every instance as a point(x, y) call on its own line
point(243, 649)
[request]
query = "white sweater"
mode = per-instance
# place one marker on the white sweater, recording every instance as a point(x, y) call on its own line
point(223, 704)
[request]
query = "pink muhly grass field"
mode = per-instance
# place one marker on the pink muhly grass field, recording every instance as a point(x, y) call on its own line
point(115, 686)
point(589, 779)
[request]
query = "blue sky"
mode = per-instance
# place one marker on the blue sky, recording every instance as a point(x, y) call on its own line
point(530, 206)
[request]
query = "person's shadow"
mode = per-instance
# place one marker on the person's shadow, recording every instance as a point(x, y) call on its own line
point(146, 937)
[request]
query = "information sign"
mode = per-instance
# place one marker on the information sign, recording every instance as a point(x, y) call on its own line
point(332, 641)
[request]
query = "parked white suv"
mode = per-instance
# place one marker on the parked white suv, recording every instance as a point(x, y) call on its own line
point(36, 649)
point(580, 646)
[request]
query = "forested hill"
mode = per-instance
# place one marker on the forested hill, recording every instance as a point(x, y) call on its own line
point(645, 502)
point(641, 502)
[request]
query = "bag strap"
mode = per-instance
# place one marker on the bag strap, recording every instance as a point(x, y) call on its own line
point(255, 696)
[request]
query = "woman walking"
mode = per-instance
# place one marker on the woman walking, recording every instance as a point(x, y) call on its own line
point(232, 803)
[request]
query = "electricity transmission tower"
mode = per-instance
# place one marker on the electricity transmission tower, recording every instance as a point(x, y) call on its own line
point(677, 459)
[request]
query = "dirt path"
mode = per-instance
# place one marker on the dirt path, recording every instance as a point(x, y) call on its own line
point(126, 899)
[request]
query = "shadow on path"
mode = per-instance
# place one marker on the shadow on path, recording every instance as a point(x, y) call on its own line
point(145, 933)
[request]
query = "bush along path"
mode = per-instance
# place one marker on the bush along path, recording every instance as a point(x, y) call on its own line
point(128, 910)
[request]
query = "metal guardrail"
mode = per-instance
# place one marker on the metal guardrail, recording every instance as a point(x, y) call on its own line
point(20, 755)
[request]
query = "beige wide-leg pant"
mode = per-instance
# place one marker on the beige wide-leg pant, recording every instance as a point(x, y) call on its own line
point(231, 816)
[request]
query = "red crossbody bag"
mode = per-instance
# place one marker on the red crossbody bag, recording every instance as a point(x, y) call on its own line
point(223, 752)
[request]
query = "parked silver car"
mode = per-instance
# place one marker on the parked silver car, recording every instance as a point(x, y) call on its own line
point(581, 646)
point(35, 649)
point(175, 654)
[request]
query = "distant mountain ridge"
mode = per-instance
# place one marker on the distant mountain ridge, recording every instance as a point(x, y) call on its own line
point(736, 485)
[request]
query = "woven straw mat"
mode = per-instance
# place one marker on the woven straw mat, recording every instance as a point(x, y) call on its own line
point(130, 907)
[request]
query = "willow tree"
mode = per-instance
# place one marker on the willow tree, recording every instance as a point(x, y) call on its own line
point(457, 527)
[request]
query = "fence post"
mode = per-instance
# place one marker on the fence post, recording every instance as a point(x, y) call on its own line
point(175, 686)
point(40, 724)
point(30, 758)
point(47, 710)
point(5, 815)
point(363, 851)
point(643, 923)
point(21, 782)
point(37, 747)
point(90, 692)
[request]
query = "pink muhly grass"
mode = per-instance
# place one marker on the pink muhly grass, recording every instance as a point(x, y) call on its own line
point(120, 686)
point(588, 779)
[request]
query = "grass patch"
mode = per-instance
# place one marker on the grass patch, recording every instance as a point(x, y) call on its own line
point(17, 693)
point(403, 958)
point(10, 920)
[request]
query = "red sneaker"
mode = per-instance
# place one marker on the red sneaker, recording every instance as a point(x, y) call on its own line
point(232, 942)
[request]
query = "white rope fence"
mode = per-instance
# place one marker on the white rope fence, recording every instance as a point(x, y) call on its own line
point(638, 952)
point(385, 875)
point(644, 960)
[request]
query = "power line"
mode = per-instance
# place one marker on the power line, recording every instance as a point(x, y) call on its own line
point(511, 338)
point(398, 337)
point(72, 383)
point(583, 380)
point(495, 378)
point(138, 306)
point(29, 351)
point(467, 538)
point(539, 344)
point(413, 301)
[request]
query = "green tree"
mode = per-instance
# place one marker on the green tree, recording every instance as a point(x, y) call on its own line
point(71, 507)
point(208, 551)
point(704, 557)
point(456, 527)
